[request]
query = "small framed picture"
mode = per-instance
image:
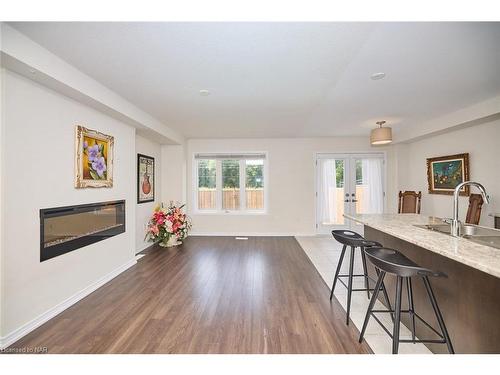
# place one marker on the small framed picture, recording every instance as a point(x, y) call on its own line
point(93, 158)
point(444, 173)
point(145, 178)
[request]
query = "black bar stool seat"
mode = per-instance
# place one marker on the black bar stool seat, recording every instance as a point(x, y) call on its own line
point(353, 240)
point(393, 262)
point(350, 238)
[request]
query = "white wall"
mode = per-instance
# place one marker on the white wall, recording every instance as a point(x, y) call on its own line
point(38, 161)
point(21, 54)
point(143, 210)
point(173, 174)
point(291, 183)
point(482, 142)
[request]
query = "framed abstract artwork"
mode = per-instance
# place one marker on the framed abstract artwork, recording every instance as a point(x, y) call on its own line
point(93, 158)
point(145, 178)
point(444, 173)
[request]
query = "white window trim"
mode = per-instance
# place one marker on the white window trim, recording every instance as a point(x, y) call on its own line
point(218, 183)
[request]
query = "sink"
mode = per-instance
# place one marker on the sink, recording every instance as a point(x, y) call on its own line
point(443, 228)
point(493, 241)
point(475, 230)
point(475, 233)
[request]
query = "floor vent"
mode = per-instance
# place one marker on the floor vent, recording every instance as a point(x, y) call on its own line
point(242, 238)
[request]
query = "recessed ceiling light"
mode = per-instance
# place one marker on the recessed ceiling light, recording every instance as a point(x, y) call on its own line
point(377, 76)
point(204, 92)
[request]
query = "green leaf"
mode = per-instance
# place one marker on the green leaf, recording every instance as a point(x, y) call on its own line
point(93, 174)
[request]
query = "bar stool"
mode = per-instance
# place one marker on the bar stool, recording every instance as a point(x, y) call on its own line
point(354, 240)
point(393, 262)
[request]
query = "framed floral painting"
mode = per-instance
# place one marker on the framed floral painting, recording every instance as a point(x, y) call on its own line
point(444, 173)
point(145, 178)
point(93, 158)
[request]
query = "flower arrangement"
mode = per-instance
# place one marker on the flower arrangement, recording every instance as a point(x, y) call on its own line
point(168, 226)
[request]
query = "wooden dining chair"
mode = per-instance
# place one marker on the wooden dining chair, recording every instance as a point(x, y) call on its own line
point(474, 211)
point(409, 202)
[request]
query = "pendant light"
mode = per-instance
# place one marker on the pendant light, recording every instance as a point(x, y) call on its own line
point(380, 135)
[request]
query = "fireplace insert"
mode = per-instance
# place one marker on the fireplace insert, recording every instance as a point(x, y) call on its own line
point(64, 229)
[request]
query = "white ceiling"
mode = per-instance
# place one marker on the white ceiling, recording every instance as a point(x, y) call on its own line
point(284, 79)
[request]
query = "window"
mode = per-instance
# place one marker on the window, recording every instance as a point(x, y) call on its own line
point(254, 184)
point(230, 183)
point(207, 183)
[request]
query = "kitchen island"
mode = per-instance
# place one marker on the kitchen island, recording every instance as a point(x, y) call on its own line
point(469, 298)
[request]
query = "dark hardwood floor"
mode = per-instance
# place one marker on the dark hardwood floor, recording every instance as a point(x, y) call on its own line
point(210, 295)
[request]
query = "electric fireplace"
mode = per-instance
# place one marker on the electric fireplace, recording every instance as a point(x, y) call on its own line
point(64, 229)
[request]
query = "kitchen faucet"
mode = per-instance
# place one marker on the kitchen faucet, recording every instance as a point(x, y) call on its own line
point(455, 223)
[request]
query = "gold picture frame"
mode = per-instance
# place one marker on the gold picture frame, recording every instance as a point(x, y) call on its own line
point(93, 158)
point(444, 173)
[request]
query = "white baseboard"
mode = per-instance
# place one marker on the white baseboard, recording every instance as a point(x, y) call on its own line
point(144, 247)
point(249, 234)
point(18, 333)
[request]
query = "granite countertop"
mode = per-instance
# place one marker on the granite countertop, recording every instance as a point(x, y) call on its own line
point(481, 257)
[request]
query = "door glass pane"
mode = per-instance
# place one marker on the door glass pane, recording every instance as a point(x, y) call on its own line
point(254, 184)
point(369, 186)
point(206, 184)
point(360, 188)
point(339, 191)
point(331, 192)
point(230, 184)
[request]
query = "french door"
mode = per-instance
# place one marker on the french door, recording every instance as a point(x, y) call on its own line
point(348, 183)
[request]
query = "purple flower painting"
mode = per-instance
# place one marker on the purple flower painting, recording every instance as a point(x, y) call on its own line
point(93, 152)
point(99, 165)
point(93, 158)
point(95, 165)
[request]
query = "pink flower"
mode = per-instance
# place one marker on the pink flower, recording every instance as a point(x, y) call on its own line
point(170, 220)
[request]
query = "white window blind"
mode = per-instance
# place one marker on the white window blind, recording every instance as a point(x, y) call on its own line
point(246, 156)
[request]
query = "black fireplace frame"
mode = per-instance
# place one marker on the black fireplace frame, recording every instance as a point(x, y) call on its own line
point(74, 244)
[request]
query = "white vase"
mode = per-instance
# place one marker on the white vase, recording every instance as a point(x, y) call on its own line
point(171, 242)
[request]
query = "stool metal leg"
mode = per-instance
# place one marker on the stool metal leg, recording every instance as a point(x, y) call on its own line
point(437, 311)
point(386, 297)
point(397, 317)
point(349, 287)
point(411, 307)
point(365, 271)
point(380, 280)
point(339, 266)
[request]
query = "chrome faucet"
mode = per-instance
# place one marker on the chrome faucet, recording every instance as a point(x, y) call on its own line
point(455, 223)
